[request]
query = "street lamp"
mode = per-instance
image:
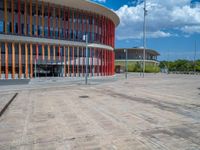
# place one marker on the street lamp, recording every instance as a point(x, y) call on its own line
point(126, 66)
point(85, 38)
point(144, 36)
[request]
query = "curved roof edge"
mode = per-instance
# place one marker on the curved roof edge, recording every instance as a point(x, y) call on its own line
point(88, 6)
point(140, 49)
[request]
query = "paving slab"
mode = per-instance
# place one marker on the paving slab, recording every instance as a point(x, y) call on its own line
point(158, 112)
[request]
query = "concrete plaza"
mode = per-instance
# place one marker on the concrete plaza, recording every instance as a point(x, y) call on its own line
point(158, 112)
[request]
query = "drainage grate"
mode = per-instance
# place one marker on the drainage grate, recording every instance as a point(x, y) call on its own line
point(84, 96)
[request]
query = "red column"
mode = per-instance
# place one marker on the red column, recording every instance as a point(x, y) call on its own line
point(98, 57)
point(104, 62)
point(19, 17)
point(113, 63)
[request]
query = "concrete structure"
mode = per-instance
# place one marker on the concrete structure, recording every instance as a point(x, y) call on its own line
point(158, 112)
point(46, 37)
point(135, 55)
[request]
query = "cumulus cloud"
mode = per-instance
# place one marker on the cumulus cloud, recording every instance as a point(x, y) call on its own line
point(165, 18)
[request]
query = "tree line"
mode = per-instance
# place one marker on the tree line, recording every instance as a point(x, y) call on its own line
point(181, 65)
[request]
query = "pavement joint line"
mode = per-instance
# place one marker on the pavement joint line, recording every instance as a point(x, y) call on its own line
point(7, 105)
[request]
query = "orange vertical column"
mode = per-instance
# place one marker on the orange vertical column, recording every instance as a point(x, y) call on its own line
point(31, 61)
point(65, 61)
point(43, 52)
point(68, 61)
point(30, 3)
point(20, 61)
point(26, 59)
point(6, 59)
point(13, 60)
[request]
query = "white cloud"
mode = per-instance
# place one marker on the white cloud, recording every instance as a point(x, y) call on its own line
point(100, 1)
point(165, 18)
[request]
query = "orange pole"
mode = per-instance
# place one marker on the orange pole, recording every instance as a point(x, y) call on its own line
point(26, 59)
point(13, 60)
point(20, 61)
point(31, 61)
point(43, 52)
point(6, 59)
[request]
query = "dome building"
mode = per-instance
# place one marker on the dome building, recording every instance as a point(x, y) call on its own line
point(135, 59)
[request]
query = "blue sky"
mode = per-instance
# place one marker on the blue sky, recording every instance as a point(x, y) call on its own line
point(172, 26)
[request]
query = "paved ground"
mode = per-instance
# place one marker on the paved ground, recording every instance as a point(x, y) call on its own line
point(158, 112)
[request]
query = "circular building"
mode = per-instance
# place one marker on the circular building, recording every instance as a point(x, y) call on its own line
point(50, 38)
point(135, 60)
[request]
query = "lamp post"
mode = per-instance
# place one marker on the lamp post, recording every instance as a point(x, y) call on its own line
point(126, 66)
point(195, 53)
point(144, 37)
point(85, 37)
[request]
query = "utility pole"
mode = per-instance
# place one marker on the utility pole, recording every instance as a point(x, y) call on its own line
point(87, 59)
point(144, 37)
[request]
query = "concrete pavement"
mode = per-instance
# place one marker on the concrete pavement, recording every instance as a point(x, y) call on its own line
point(156, 112)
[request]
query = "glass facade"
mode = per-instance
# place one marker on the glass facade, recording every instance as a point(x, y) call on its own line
point(33, 18)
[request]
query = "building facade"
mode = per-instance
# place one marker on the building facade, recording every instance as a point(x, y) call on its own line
point(135, 59)
point(45, 38)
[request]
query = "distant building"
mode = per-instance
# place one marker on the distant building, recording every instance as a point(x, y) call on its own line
point(135, 59)
point(46, 37)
